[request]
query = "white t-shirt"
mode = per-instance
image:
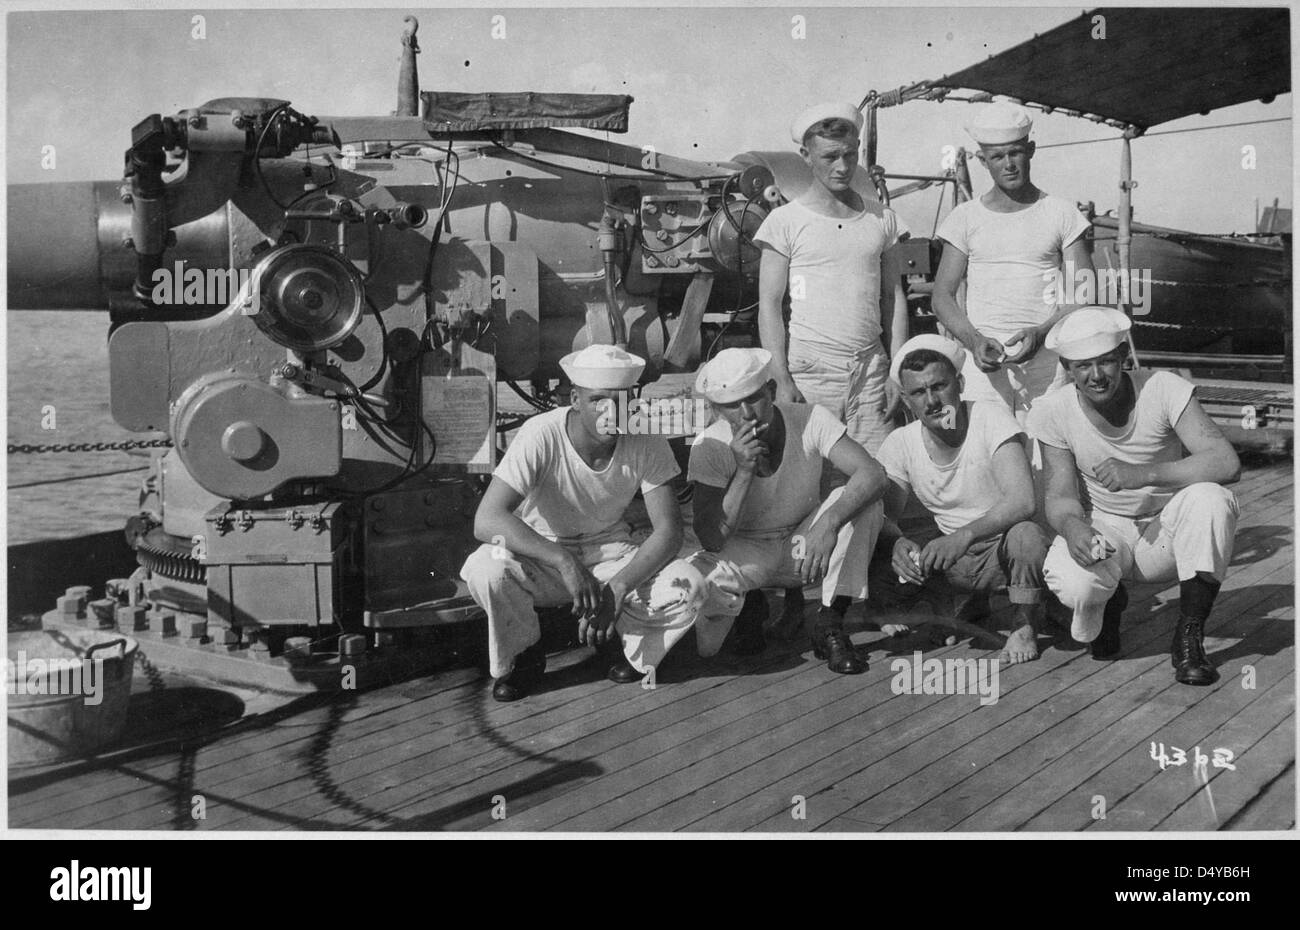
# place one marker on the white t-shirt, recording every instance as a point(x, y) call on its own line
point(563, 497)
point(779, 502)
point(1162, 396)
point(1012, 260)
point(834, 279)
point(964, 490)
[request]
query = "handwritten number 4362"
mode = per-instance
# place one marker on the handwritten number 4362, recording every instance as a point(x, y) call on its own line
point(1222, 757)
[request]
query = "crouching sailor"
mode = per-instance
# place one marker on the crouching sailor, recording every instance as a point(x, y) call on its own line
point(553, 530)
point(966, 463)
point(1147, 512)
point(758, 514)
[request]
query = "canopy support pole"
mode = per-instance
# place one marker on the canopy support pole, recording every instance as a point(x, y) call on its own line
point(1124, 235)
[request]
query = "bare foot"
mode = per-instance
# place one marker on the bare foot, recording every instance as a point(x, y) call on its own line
point(895, 629)
point(1022, 646)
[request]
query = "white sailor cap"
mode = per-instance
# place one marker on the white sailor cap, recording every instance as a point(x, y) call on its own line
point(815, 114)
point(953, 351)
point(603, 367)
point(734, 374)
point(1088, 332)
point(1000, 123)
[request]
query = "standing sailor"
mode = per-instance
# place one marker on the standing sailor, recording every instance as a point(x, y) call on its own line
point(1148, 512)
point(1015, 246)
point(553, 531)
point(829, 249)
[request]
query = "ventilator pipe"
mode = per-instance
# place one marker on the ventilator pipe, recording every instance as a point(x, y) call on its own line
point(608, 241)
point(408, 77)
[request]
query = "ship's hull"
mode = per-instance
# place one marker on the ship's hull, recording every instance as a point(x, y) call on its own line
point(1209, 295)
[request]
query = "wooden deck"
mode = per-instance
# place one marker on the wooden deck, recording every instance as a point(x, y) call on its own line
point(736, 745)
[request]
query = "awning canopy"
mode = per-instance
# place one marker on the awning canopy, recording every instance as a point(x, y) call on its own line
point(459, 112)
point(1154, 65)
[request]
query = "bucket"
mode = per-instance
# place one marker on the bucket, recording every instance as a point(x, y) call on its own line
point(68, 692)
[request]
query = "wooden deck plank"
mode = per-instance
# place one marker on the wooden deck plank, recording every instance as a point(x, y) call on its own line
point(326, 766)
point(408, 780)
point(1130, 765)
point(764, 776)
point(748, 811)
point(646, 787)
point(616, 747)
point(217, 774)
point(640, 761)
point(1276, 804)
point(345, 711)
point(916, 789)
point(1105, 739)
point(1257, 767)
point(250, 739)
point(1200, 727)
point(347, 771)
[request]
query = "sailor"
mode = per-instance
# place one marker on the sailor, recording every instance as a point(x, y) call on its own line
point(1013, 245)
point(966, 463)
point(758, 513)
point(553, 530)
point(829, 250)
point(1147, 511)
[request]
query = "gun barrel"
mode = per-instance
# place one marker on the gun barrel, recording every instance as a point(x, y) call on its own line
point(70, 248)
point(53, 246)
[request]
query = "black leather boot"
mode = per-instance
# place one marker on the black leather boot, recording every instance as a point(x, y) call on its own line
point(1187, 653)
point(832, 644)
point(620, 671)
point(1106, 645)
point(747, 636)
point(530, 666)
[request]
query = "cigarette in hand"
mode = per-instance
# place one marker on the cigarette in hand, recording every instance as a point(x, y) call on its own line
point(1102, 548)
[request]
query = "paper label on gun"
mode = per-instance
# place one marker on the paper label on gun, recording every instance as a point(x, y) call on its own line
point(459, 411)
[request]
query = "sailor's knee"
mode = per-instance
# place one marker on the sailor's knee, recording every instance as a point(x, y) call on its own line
point(1072, 582)
point(1028, 542)
point(1210, 499)
point(680, 585)
point(487, 566)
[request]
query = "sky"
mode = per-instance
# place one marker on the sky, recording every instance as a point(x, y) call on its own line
point(708, 83)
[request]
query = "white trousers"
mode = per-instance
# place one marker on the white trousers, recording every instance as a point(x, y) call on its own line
point(749, 562)
point(1015, 386)
point(1193, 533)
point(510, 587)
point(852, 388)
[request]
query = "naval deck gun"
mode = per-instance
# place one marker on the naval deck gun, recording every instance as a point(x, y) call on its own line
point(319, 313)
